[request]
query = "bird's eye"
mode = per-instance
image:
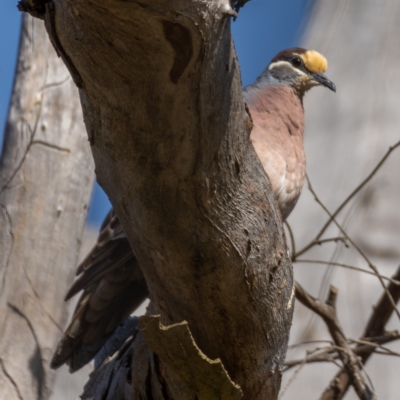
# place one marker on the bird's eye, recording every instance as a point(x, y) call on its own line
point(296, 62)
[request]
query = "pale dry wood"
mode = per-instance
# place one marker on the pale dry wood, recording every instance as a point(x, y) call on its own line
point(162, 100)
point(45, 184)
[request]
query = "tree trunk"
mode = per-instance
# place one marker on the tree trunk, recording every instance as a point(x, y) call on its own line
point(45, 185)
point(162, 102)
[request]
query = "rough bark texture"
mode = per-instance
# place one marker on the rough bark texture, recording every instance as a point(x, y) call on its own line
point(45, 184)
point(162, 102)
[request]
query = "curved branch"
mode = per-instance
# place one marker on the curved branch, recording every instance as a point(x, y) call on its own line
point(162, 101)
point(375, 328)
point(346, 201)
point(327, 311)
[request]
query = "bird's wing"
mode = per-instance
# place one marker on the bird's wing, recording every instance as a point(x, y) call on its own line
point(113, 287)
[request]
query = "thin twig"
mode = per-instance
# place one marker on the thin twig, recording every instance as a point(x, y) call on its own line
point(352, 267)
point(315, 243)
point(365, 346)
point(295, 373)
point(334, 239)
point(373, 267)
point(345, 202)
point(293, 346)
point(375, 327)
point(292, 241)
point(327, 354)
point(376, 346)
point(327, 311)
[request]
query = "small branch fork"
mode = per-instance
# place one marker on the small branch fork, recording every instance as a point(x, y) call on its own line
point(316, 240)
point(327, 311)
point(372, 266)
point(329, 353)
point(375, 328)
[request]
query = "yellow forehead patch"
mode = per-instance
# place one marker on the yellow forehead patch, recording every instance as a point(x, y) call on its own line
point(314, 61)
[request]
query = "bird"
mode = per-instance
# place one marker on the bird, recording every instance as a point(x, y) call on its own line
point(275, 102)
point(110, 276)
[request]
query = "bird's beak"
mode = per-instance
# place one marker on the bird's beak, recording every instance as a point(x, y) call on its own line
point(321, 79)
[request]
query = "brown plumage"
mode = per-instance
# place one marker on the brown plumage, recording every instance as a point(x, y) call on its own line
point(111, 279)
point(113, 287)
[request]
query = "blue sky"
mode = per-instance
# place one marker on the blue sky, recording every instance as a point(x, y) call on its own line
point(264, 27)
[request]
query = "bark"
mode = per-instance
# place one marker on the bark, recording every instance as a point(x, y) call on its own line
point(45, 184)
point(162, 102)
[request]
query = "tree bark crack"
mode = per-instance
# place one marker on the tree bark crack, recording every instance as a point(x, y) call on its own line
point(50, 23)
point(51, 146)
point(23, 158)
point(10, 230)
point(179, 38)
point(55, 84)
point(10, 378)
point(36, 294)
point(38, 373)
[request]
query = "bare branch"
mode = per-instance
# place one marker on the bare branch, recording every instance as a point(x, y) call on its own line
point(373, 267)
point(375, 328)
point(292, 346)
point(295, 373)
point(327, 311)
point(327, 353)
point(352, 267)
point(346, 201)
point(334, 239)
point(292, 241)
point(367, 343)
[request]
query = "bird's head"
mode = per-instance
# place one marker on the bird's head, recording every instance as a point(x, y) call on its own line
point(301, 69)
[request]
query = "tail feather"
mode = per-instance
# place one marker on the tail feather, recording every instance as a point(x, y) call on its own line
point(113, 287)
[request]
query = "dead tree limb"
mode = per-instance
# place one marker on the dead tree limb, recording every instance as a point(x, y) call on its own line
point(162, 101)
point(327, 311)
point(375, 328)
point(329, 353)
point(45, 184)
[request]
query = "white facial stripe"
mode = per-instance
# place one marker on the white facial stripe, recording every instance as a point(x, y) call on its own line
point(286, 64)
point(279, 64)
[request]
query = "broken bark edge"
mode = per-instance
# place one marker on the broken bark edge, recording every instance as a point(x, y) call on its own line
point(175, 346)
point(36, 8)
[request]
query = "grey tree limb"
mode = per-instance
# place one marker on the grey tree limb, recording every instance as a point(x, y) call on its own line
point(378, 319)
point(46, 177)
point(327, 311)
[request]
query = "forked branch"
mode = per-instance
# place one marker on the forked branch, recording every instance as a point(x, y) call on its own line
point(316, 240)
point(375, 327)
point(327, 311)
